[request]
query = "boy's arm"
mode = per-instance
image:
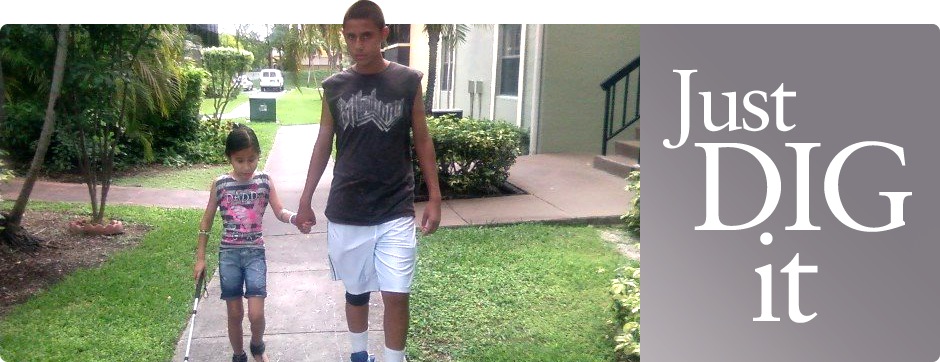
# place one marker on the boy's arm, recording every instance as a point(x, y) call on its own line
point(424, 147)
point(202, 237)
point(318, 159)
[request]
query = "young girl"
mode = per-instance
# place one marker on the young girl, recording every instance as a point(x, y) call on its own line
point(242, 196)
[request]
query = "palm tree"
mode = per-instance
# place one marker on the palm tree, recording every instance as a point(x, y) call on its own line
point(12, 233)
point(333, 43)
point(133, 71)
point(452, 34)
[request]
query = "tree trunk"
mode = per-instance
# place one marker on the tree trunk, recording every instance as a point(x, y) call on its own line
point(13, 233)
point(434, 37)
point(48, 125)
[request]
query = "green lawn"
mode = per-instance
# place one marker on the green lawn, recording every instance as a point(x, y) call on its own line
point(293, 108)
point(198, 177)
point(299, 106)
point(316, 78)
point(515, 293)
point(131, 308)
point(208, 108)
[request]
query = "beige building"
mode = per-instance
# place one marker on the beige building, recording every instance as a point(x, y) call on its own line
point(543, 78)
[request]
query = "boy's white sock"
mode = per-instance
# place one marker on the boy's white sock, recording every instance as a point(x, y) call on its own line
point(358, 341)
point(392, 355)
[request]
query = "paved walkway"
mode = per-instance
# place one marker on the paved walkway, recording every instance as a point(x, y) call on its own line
point(304, 309)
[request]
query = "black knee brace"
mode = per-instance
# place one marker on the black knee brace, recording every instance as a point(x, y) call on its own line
point(359, 299)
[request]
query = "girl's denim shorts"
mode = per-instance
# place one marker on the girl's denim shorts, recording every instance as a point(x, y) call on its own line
point(242, 273)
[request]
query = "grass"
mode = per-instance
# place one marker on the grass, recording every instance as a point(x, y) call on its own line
point(515, 293)
point(131, 308)
point(299, 106)
point(316, 78)
point(207, 107)
point(199, 177)
point(293, 108)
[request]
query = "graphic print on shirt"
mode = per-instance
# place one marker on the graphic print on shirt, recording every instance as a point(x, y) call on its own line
point(361, 109)
point(242, 206)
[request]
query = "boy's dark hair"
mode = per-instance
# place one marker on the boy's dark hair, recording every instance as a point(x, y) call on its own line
point(365, 9)
point(240, 138)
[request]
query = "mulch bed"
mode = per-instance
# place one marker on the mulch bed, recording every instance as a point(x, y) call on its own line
point(506, 189)
point(22, 275)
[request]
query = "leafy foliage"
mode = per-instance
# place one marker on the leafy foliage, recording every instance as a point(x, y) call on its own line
point(119, 75)
point(5, 172)
point(20, 131)
point(224, 64)
point(184, 138)
point(632, 217)
point(625, 292)
point(473, 156)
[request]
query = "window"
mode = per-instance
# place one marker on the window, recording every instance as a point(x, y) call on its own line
point(447, 65)
point(510, 36)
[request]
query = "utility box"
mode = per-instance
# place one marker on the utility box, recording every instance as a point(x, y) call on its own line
point(263, 109)
point(455, 112)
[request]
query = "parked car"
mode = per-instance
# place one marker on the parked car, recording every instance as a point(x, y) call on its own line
point(246, 83)
point(271, 79)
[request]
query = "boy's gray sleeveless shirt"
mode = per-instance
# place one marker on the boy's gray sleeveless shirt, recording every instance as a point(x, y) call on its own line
point(373, 180)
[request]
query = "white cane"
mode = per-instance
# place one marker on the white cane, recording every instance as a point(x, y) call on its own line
point(192, 319)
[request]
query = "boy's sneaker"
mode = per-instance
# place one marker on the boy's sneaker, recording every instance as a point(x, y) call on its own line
point(361, 356)
point(240, 358)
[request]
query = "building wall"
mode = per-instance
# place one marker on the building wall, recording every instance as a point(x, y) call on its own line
point(575, 60)
point(474, 62)
point(563, 66)
point(419, 52)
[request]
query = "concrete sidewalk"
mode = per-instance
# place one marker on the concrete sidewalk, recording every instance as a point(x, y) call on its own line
point(305, 309)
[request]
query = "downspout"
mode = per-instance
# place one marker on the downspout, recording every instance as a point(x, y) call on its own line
point(536, 103)
point(493, 75)
point(520, 93)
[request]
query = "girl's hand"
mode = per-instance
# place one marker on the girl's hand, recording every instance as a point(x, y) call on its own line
point(305, 219)
point(198, 269)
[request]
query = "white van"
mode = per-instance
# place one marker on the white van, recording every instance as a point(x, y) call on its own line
point(271, 79)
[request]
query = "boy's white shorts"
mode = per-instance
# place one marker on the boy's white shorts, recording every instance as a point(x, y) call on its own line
point(373, 258)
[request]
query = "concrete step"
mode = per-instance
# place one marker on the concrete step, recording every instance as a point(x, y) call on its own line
point(616, 165)
point(629, 149)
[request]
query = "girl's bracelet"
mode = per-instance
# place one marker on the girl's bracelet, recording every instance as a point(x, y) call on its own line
point(204, 232)
point(290, 219)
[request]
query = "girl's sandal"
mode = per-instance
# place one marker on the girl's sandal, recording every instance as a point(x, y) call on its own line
point(240, 357)
point(257, 351)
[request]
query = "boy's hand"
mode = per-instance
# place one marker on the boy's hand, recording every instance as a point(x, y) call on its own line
point(432, 217)
point(305, 219)
point(198, 269)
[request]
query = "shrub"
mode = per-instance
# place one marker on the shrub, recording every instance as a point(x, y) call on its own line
point(224, 64)
point(632, 217)
point(173, 137)
point(20, 131)
point(473, 156)
point(625, 291)
point(209, 145)
point(5, 172)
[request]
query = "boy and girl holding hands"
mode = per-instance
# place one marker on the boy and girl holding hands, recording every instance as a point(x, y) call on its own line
point(371, 109)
